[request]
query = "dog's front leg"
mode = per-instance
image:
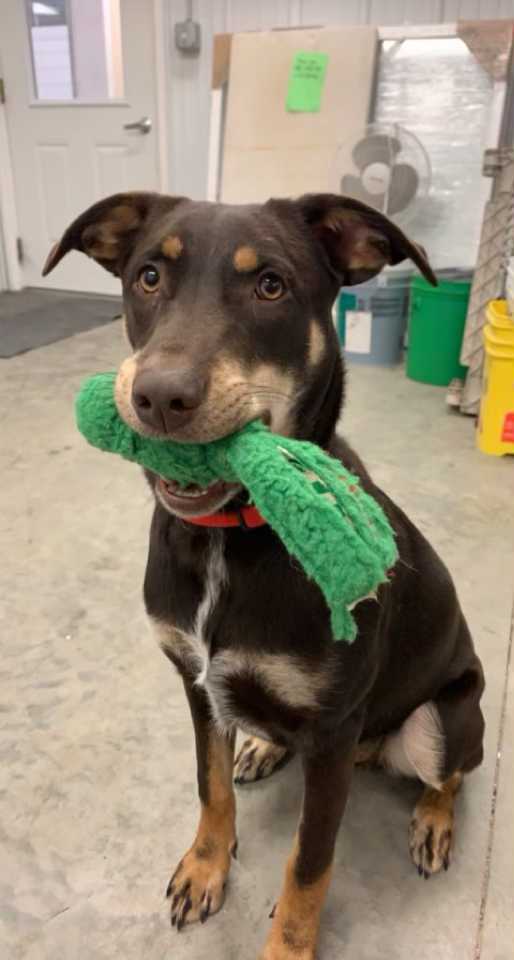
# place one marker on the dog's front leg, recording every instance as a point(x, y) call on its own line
point(197, 888)
point(327, 775)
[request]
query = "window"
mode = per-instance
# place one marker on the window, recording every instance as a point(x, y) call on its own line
point(437, 90)
point(76, 49)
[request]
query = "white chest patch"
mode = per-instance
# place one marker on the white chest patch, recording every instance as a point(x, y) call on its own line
point(282, 675)
point(192, 647)
point(216, 576)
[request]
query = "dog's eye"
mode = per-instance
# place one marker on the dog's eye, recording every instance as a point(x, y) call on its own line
point(270, 286)
point(149, 279)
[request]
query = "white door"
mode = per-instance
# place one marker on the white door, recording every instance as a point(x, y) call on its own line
point(76, 73)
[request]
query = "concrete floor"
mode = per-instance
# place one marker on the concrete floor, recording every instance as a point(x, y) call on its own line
point(98, 781)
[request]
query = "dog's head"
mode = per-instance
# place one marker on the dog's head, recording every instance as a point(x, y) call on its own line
point(228, 308)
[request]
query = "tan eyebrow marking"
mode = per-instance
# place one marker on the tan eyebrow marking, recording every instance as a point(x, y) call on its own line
point(245, 259)
point(172, 247)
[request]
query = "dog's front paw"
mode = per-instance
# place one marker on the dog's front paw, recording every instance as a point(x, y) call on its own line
point(197, 888)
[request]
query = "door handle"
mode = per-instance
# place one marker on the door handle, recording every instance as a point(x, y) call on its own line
point(144, 125)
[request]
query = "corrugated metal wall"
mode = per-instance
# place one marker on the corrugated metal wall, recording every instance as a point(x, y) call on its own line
point(190, 77)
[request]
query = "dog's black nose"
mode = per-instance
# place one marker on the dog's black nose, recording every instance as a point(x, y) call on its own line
point(167, 399)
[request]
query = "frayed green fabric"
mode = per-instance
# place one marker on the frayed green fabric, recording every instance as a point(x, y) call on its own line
point(337, 532)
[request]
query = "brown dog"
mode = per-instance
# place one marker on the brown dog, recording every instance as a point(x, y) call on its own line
point(228, 310)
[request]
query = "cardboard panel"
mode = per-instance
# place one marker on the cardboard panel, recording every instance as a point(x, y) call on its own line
point(221, 59)
point(490, 41)
point(268, 151)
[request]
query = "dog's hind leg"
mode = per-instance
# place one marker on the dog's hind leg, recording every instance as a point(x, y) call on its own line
point(432, 825)
point(439, 742)
point(259, 758)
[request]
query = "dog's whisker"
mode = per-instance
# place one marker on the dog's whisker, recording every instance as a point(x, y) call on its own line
point(258, 388)
point(263, 395)
point(248, 398)
point(271, 394)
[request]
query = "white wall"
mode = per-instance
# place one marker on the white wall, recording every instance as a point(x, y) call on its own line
point(190, 77)
point(9, 266)
point(113, 47)
point(3, 262)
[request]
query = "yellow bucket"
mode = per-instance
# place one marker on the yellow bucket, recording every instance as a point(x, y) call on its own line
point(495, 433)
point(497, 314)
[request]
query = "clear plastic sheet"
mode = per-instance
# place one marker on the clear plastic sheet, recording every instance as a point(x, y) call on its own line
point(437, 90)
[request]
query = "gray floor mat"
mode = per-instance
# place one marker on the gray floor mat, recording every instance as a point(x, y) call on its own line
point(35, 318)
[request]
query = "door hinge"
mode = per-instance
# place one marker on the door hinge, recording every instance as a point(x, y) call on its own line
point(19, 249)
point(495, 159)
point(2, 90)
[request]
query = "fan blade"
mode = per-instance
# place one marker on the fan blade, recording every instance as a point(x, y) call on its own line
point(402, 188)
point(377, 148)
point(352, 187)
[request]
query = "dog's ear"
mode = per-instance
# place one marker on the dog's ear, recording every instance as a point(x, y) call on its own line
point(107, 230)
point(358, 240)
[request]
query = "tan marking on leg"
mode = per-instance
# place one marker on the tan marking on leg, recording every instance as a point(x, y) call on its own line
point(258, 759)
point(197, 888)
point(369, 753)
point(316, 344)
point(217, 821)
point(245, 259)
point(432, 825)
point(172, 247)
point(294, 931)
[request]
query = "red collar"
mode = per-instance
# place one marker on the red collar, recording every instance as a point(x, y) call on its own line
point(246, 517)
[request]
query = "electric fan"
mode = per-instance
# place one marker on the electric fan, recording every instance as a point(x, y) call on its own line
point(392, 171)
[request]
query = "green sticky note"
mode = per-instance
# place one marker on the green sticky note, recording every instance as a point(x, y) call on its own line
point(306, 81)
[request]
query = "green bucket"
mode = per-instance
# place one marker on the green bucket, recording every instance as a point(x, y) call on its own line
point(436, 326)
point(345, 301)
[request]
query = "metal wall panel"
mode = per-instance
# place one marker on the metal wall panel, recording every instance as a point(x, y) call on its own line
point(190, 76)
point(261, 15)
point(190, 85)
point(392, 12)
point(477, 9)
point(333, 12)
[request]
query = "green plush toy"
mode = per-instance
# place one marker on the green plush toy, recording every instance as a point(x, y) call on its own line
point(337, 532)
